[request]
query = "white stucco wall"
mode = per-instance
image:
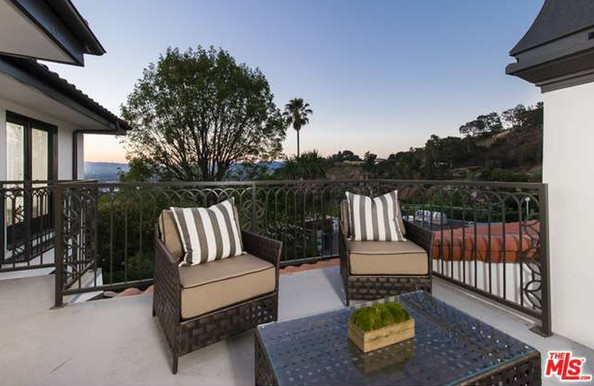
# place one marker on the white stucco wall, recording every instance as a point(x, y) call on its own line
point(568, 168)
point(64, 140)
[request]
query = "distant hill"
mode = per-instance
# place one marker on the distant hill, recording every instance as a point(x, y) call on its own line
point(108, 171)
point(104, 171)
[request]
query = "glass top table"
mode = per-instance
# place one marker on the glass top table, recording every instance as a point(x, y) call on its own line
point(450, 347)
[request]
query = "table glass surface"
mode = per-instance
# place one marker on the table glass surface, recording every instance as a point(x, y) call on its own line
point(449, 347)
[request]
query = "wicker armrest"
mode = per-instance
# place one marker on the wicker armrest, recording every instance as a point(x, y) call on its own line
point(420, 236)
point(166, 265)
point(342, 239)
point(343, 251)
point(263, 247)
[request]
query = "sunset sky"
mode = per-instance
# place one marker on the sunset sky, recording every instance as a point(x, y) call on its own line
point(380, 75)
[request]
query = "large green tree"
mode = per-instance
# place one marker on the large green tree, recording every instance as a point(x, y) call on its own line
point(297, 113)
point(195, 113)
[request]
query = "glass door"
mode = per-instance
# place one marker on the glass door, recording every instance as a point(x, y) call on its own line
point(27, 202)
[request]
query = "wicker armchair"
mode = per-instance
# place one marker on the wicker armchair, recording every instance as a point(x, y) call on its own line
point(376, 269)
point(190, 324)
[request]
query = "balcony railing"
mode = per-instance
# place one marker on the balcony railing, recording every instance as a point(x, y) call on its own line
point(490, 238)
point(27, 231)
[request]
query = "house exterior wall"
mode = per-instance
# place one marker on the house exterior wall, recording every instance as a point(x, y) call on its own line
point(64, 140)
point(568, 169)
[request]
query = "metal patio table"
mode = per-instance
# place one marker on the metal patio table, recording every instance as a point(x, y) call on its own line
point(450, 347)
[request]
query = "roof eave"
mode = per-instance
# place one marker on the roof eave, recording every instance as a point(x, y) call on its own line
point(61, 22)
point(33, 74)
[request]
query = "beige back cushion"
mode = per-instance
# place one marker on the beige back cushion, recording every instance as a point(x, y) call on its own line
point(170, 235)
point(344, 217)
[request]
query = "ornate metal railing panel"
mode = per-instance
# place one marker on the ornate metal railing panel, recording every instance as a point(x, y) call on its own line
point(27, 225)
point(490, 238)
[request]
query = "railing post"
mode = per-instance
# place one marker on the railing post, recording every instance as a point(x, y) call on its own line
point(2, 223)
point(545, 328)
point(253, 226)
point(27, 218)
point(58, 244)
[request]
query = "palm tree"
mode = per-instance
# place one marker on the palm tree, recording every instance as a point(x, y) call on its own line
point(296, 114)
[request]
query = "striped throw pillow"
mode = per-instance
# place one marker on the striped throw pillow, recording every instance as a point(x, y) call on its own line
point(208, 234)
point(375, 219)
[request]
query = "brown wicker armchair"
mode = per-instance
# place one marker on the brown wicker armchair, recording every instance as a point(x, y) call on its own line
point(377, 269)
point(203, 304)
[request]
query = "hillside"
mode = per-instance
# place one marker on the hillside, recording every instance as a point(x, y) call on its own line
point(493, 147)
point(516, 152)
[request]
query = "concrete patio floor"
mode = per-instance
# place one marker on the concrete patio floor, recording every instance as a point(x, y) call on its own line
point(117, 342)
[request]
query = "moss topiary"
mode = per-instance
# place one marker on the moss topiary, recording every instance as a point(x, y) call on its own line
point(379, 316)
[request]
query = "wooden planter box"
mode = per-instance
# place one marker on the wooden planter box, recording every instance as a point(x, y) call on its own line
point(386, 336)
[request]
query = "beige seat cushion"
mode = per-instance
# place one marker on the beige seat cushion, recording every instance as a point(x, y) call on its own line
point(208, 287)
point(387, 258)
point(170, 235)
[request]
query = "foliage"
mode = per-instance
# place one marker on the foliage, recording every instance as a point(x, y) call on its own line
point(369, 161)
point(297, 114)
point(483, 124)
point(196, 113)
point(309, 166)
point(342, 156)
point(486, 153)
point(379, 316)
point(140, 170)
point(522, 118)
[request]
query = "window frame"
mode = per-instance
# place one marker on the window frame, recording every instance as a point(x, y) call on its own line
point(29, 124)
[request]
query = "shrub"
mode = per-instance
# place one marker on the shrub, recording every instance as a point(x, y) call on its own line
point(379, 316)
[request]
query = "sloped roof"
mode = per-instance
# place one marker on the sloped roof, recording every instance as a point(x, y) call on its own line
point(79, 26)
point(59, 21)
point(34, 71)
point(557, 19)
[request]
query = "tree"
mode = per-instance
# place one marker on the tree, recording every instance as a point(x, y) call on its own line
point(483, 124)
point(296, 114)
point(309, 166)
point(524, 118)
point(343, 156)
point(370, 160)
point(196, 113)
point(514, 117)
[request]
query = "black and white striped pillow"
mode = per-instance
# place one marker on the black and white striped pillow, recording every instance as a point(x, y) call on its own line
point(375, 219)
point(208, 234)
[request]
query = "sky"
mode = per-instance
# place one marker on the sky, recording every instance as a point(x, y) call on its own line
point(379, 75)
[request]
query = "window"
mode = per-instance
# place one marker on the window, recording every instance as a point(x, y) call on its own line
point(29, 149)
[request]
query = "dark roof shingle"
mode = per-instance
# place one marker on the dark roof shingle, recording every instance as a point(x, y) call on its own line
point(556, 19)
point(51, 79)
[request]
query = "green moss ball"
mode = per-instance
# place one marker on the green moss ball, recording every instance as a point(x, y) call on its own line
point(379, 316)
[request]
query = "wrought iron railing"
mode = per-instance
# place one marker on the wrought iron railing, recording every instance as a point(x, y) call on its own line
point(490, 238)
point(27, 230)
